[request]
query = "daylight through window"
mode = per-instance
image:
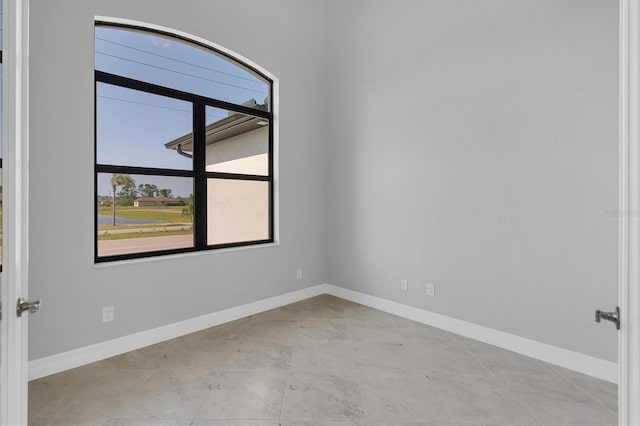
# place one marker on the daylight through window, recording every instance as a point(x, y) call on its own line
point(1, 97)
point(184, 146)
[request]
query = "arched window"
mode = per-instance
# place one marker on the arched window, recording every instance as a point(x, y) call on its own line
point(184, 146)
point(1, 102)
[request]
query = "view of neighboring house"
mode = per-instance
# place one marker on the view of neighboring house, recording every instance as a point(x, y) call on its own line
point(157, 201)
point(235, 144)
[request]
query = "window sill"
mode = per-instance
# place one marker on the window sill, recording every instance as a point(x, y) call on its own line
point(164, 258)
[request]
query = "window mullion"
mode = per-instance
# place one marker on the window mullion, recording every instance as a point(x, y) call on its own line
point(271, 173)
point(200, 184)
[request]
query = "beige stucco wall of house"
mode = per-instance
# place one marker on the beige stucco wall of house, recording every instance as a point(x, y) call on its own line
point(238, 210)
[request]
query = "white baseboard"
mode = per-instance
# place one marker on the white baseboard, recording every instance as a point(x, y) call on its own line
point(586, 364)
point(75, 358)
point(596, 367)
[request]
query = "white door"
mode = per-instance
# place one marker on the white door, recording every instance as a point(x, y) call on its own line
point(13, 325)
point(629, 285)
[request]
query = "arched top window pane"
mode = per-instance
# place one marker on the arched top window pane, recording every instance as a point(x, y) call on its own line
point(1, 37)
point(171, 62)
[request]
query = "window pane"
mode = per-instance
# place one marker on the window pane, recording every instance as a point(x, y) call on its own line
point(171, 62)
point(236, 143)
point(1, 106)
point(1, 26)
point(134, 127)
point(151, 213)
point(1, 98)
point(237, 211)
point(1, 233)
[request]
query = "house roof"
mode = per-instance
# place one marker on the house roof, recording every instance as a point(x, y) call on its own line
point(235, 123)
point(160, 199)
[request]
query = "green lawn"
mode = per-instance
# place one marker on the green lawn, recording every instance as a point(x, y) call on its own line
point(162, 216)
point(157, 213)
point(141, 225)
point(130, 235)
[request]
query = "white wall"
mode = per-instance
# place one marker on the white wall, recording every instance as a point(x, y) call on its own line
point(473, 144)
point(287, 37)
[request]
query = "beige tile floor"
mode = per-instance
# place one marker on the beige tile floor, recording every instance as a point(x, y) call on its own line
point(322, 361)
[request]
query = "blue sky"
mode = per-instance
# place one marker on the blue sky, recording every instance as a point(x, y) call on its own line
point(133, 126)
point(1, 46)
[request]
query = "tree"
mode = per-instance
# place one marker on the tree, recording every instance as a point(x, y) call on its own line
point(116, 181)
point(148, 190)
point(188, 207)
point(165, 192)
point(128, 193)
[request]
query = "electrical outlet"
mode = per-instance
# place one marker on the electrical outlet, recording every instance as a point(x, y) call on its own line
point(431, 290)
point(404, 285)
point(299, 273)
point(108, 314)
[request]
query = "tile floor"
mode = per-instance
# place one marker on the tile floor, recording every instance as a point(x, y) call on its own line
point(322, 361)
